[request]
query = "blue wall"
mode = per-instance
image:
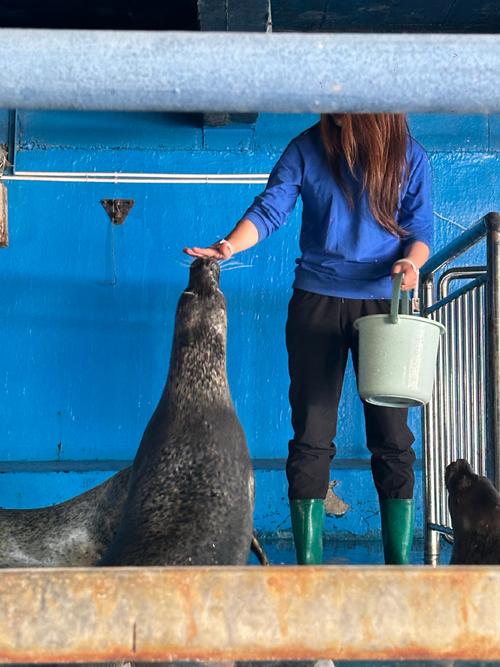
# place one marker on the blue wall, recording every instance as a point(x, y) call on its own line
point(88, 307)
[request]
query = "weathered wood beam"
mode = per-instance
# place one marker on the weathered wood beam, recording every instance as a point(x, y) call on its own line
point(250, 613)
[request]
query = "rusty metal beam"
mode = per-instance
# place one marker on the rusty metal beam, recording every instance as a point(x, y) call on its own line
point(345, 613)
point(4, 225)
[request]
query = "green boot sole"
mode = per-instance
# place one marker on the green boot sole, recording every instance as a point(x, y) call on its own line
point(398, 518)
point(307, 524)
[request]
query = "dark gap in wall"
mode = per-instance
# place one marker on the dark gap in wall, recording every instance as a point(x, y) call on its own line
point(446, 16)
point(104, 15)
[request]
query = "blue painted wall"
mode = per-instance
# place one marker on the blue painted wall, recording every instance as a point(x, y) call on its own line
point(87, 308)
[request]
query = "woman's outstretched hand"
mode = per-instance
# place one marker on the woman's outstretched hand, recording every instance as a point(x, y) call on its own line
point(219, 250)
point(243, 236)
point(410, 271)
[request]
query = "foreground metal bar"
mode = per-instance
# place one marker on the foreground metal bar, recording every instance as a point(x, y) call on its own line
point(453, 249)
point(349, 613)
point(249, 72)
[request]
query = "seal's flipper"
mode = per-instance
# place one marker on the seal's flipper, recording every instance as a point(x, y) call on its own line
point(258, 550)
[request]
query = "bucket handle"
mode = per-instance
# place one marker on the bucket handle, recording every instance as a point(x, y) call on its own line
point(405, 299)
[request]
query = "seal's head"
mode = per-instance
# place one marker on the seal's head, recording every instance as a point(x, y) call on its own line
point(467, 493)
point(204, 275)
point(202, 306)
point(458, 474)
point(199, 345)
point(474, 505)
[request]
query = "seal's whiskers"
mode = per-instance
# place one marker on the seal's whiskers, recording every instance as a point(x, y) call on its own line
point(237, 266)
point(231, 261)
point(183, 262)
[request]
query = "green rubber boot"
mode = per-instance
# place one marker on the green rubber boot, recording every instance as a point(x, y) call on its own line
point(397, 516)
point(307, 525)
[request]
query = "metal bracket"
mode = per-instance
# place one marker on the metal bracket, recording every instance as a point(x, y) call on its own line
point(117, 209)
point(4, 209)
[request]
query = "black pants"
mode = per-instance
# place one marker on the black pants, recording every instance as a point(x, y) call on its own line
point(319, 334)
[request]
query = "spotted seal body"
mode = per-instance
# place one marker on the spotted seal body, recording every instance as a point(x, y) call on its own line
point(474, 505)
point(73, 533)
point(188, 497)
point(190, 500)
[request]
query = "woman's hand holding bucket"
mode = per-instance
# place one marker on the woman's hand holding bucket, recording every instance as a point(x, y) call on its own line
point(416, 256)
point(409, 268)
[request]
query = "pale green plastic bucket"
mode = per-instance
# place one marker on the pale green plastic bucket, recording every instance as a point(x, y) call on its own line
point(397, 355)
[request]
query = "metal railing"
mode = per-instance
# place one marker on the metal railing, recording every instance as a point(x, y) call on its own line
point(303, 73)
point(463, 418)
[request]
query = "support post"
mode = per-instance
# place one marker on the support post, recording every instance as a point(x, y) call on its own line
point(493, 347)
point(432, 544)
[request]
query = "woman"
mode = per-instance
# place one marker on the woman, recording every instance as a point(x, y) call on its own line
point(367, 215)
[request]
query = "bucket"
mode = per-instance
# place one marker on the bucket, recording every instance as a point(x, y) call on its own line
point(397, 355)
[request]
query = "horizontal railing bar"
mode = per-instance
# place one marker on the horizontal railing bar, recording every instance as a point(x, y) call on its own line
point(473, 284)
point(458, 273)
point(439, 528)
point(452, 250)
point(249, 613)
point(248, 72)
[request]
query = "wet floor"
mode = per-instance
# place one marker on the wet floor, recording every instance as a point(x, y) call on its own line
point(280, 551)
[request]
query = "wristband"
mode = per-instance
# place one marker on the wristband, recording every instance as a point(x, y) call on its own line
point(408, 261)
point(415, 302)
point(228, 243)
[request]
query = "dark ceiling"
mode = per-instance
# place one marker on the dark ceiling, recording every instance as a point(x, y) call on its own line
point(287, 15)
point(387, 15)
point(95, 15)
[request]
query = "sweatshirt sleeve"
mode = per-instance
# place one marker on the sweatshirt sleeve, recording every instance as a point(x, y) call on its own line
point(415, 214)
point(271, 209)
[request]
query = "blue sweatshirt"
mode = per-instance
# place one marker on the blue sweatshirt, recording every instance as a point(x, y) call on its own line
point(345, 251)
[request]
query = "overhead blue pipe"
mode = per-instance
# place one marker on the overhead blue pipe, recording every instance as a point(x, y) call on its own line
point(249, 72)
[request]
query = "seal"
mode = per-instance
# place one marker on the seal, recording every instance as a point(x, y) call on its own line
point(474, 505)
point(188, 497)
point(74, 533)
point(190, 500)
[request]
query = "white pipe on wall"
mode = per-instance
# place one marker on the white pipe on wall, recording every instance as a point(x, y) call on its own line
point(131, 177)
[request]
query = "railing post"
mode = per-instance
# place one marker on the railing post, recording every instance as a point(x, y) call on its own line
point(457, 425)
point(493, 347)
point(431, 544)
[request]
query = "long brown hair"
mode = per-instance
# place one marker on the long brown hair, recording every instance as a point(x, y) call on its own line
point(374, 148)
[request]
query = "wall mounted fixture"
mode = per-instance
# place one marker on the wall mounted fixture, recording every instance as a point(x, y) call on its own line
point(117, 209)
